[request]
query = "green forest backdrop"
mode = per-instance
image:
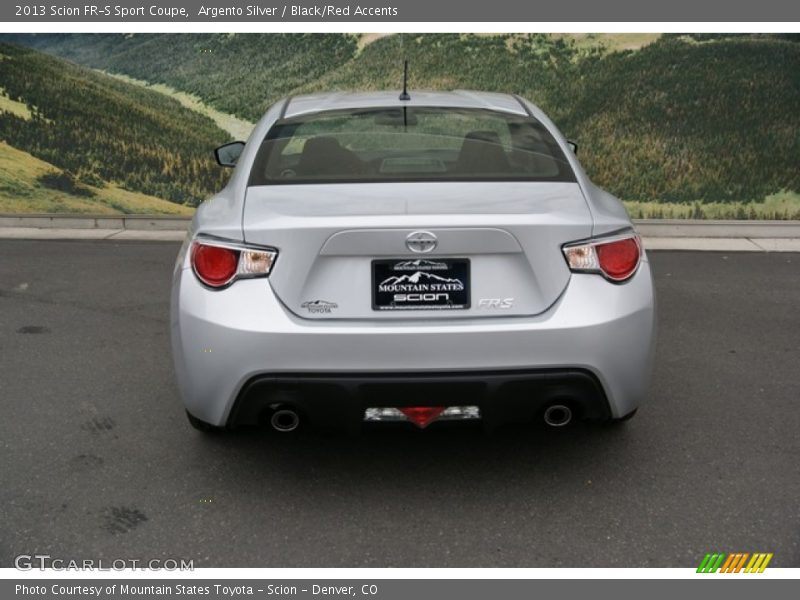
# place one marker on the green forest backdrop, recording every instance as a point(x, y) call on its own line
point(676, 125)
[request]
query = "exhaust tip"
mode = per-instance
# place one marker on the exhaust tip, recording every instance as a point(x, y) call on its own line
point(284, 420)
point(557, 415)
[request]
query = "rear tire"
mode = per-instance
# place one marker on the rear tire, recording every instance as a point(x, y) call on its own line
point(201, 425)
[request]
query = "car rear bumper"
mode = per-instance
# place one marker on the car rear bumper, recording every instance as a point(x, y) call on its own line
point(340, 400)
point(231, 348)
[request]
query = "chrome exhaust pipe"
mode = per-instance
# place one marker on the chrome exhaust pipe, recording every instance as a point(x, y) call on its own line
point(558, 415)
point(284, 420)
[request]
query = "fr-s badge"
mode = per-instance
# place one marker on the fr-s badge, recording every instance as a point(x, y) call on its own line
point(495, 303)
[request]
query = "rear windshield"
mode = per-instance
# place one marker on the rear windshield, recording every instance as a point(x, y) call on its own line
point(408, 144)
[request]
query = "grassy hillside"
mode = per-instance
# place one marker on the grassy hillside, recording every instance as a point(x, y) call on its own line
point(237, 128)
point(712, 119)
point(14, 107)
point(611, 41)
point(780, 206)
point(241, 74)
point(22, 191)
point(678, 121)
point(103, 130)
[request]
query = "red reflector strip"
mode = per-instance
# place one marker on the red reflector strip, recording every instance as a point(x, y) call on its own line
point(422, 416)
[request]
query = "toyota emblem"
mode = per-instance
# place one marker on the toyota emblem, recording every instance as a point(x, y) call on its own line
point(421, 242)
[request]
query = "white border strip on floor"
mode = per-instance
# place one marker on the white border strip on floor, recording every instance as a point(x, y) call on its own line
point(717, 244)
point(74, 233)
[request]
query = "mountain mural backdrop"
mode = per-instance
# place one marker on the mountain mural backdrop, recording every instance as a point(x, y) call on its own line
point(676, 125)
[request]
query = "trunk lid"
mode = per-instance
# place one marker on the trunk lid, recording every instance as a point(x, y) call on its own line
point(504, 239)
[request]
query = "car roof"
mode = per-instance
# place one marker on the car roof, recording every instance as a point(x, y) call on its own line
point(298, 105)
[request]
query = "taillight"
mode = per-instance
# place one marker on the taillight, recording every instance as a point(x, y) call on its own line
point(213, 265)
point(619, 259)
point(616, 259)
point(218, 264)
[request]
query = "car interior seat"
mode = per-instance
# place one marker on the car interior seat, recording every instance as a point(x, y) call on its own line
point(482, 152)
point(323, 155)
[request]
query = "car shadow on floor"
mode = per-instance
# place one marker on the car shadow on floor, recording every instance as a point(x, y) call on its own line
point(415, 456)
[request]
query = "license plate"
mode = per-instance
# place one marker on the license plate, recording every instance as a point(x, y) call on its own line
point(420, 284)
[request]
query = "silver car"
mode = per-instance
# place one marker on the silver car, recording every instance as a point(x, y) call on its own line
point(423, 259)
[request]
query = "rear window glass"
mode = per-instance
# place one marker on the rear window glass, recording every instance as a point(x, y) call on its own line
point(409, 144)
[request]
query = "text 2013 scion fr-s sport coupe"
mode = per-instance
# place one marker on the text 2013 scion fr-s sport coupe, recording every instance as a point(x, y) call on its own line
point(377, 258)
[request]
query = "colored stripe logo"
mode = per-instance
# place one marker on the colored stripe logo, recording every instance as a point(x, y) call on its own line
point(737, 562)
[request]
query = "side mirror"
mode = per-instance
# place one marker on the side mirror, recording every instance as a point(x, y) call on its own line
point(228, 154)
point(573, 146)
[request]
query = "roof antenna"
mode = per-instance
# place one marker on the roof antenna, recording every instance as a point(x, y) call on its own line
point(404, 95)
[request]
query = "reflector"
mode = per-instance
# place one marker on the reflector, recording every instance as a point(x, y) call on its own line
point(620, 258)
point(214, 265)
point(422, 416)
